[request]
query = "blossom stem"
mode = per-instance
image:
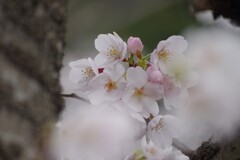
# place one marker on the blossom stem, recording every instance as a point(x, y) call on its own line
point(147, 56)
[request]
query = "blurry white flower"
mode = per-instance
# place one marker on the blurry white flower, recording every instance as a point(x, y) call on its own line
point(108, 86)
point(141, 95)
point(100, 132)
point(82, 71)
point(162, 129)
point(180, 71)
point(212, 108)
point(152, 152)
point(111, 48)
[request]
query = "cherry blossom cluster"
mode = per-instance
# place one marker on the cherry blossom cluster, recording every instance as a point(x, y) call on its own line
point(124, 82)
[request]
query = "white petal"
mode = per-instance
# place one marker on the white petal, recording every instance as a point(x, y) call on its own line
point(161, 139)
point(102, 43)
point(161, 46)
point(99, 81)
point(128, 94)
point(137, 77)
point(176, 44)
point(161, 130)
point(75, 75)
point(150, 106)
point(96, 96)
point(154, 57)
point(101, 59)
point(79, 63)
point(135, 104)
point(173, 125)
point(93, 65)
point(115, 73)
point(153, 90)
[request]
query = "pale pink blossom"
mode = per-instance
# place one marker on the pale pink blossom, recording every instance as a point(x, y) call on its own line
point(154, 74)
point(134, 45)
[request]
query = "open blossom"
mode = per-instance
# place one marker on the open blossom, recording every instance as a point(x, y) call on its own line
point(82, 71)
point(168, 48)
point(140, 94)
point(180, 71)
point(152, 152)
point(108, 86)
point(111, 48)
point(134, 45)
point(162, 129)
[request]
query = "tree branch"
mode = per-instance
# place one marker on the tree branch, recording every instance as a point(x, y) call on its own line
point(75, 96)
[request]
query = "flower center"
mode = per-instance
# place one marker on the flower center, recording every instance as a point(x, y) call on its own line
point(110, 86)
point(179, 71)
point(160, 125)
point(153, 150)
point(138, 92)
point(87, 73)
point(164, 55)
point(113, 52)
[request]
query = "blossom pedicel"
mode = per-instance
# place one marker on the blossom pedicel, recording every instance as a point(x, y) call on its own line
point(132, 84)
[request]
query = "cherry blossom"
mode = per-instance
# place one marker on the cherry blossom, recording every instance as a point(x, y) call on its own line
point(111, 48)
point(162, 129)
point(82, 71)
point(108, 86)
point(152, 152)
point(140, 94)
point(154, 74)
point(166, 49)
point(134, 45)
point(180, 71)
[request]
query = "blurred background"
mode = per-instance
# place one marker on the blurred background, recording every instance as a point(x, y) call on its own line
point(151, 20)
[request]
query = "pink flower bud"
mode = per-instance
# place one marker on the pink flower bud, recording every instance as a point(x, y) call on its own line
point(154, 74)
point(134, 45)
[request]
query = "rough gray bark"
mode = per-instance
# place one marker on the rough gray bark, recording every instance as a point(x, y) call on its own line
point(31, 52)
point(226, 8)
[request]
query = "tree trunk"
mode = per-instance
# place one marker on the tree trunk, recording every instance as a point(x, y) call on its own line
point(31, 51)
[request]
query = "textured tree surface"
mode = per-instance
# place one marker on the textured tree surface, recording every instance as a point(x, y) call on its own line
point(226, 8)
point(31, 52)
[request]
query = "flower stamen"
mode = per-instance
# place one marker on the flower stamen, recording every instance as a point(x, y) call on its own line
point(110, 86)
point(113, 52)
point(138, 92)
point(160, 125)
point(164, 55)
point(87, 73)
